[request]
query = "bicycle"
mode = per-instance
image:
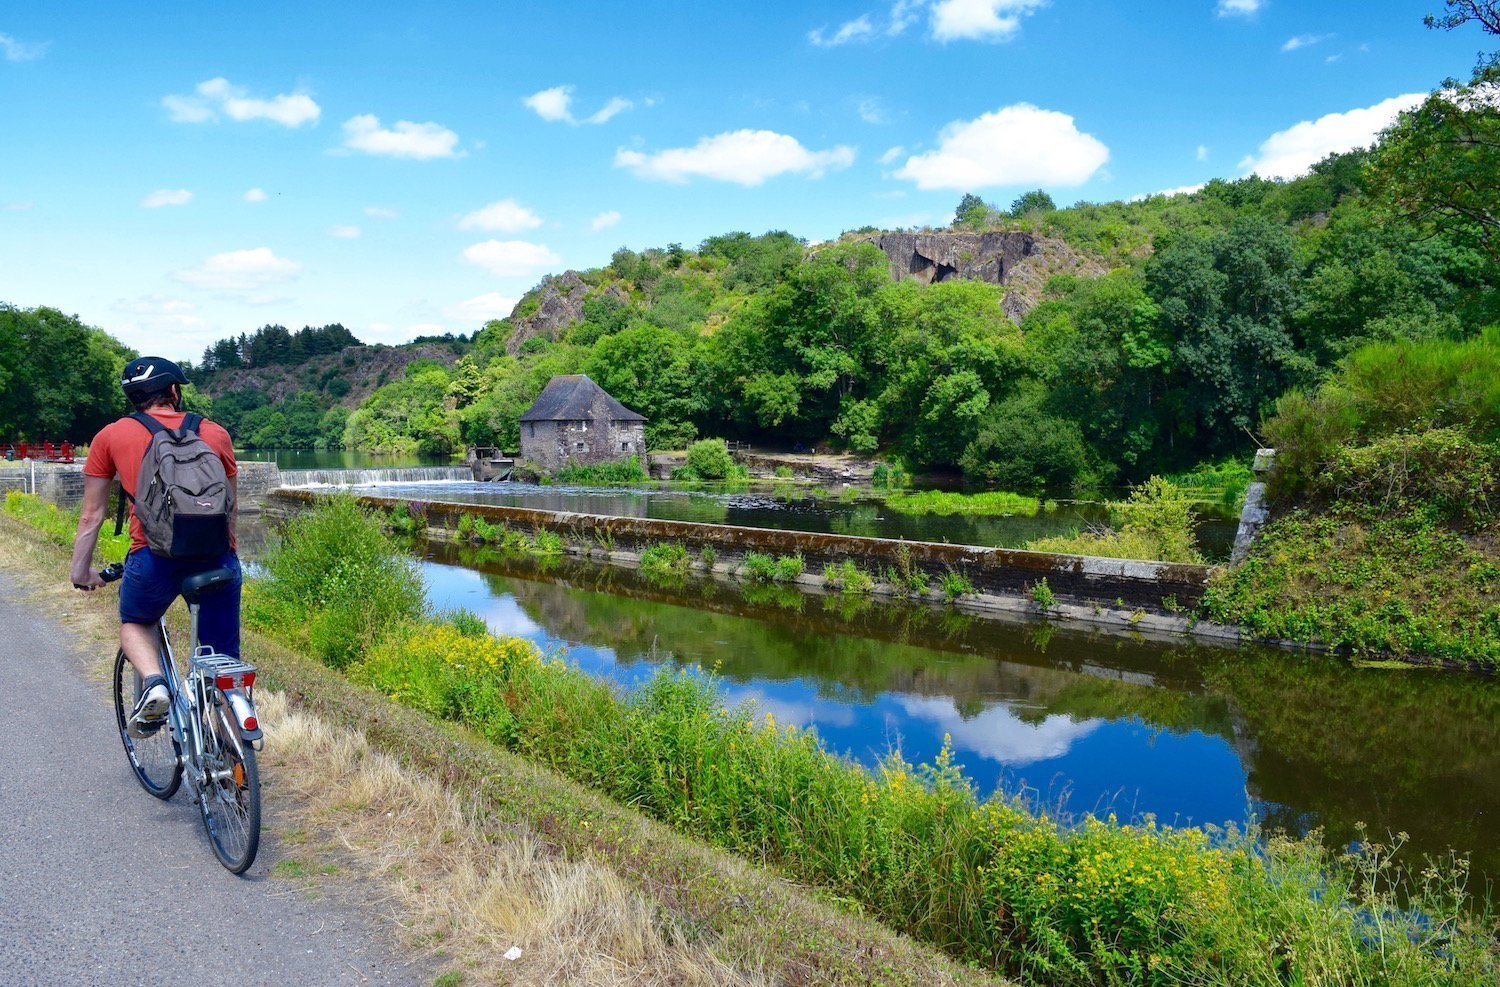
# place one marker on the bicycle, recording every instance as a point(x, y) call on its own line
point(211, 734)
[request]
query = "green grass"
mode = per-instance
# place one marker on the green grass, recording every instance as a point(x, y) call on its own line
point(944, 502)
point(1155, 522)
point(848, 577)
point(1223, 482)
point(60, 525)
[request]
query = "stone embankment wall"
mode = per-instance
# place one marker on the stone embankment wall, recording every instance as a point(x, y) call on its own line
point(62, 483)
point(998, 571)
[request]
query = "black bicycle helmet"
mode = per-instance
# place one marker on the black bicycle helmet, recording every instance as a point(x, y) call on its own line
point(148, 375)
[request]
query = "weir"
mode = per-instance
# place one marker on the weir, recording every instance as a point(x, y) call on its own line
point(294, 479)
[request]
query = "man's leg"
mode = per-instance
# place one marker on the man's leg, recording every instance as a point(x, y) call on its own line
point(219, 612)
point(140, 642)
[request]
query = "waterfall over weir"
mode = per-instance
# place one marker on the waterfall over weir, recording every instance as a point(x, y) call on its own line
point(376, 477)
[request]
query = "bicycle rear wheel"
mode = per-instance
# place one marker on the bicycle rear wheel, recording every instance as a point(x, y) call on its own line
point(154, 759)
point(230, 798)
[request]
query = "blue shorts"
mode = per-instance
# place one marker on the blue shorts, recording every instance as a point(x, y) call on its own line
point(151, 583)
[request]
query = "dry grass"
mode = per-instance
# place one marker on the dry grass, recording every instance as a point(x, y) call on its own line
point(474, 889)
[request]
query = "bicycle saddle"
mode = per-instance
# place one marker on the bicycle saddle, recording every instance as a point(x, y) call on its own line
point(193, 585)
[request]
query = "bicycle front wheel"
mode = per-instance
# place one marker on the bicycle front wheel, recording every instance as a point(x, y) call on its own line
point(230, 798)
point(154, 759)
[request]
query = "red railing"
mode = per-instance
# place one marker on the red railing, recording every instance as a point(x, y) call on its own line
point(45, 451)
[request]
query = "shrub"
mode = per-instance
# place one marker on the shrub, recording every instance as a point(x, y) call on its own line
point(546, 543)
point(784, 472)
point(1042, 595)
point(956, 584)
point(665, 561)
point(888, 476)
point(848, 577)
point(624, 471)
point(1156, 522)
point(709, 459)
point(60, 526)
point(788, 568)
point(758, 567)
point(337, 575)
point(709, 555)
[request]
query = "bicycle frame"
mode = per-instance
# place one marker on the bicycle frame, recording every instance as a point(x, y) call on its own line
point(192, 700)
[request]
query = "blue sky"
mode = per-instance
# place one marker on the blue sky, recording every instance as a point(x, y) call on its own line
point(177, 173)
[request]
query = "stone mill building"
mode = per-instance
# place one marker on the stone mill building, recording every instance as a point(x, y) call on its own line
point(576, 421)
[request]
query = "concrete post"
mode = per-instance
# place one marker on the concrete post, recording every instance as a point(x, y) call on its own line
point(1255, 512)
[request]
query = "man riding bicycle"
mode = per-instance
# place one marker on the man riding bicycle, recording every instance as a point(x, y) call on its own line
point(153, 574)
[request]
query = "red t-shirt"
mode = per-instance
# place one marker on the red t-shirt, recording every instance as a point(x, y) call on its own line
point(120, 446)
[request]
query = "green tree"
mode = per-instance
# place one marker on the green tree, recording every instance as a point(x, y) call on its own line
point(59, 378)
point(971, 213)
point(1037, 200)
point(652, 370)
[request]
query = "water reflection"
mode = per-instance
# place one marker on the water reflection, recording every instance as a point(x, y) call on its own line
point(1091, 722)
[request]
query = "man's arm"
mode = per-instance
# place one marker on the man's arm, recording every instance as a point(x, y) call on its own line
point(234, 514)
point(90, 519)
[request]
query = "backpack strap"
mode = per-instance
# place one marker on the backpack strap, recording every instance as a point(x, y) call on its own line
point(152, 425)
point(190, 423)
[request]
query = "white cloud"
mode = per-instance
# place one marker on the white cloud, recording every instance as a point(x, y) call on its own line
point(403, 140)
point(219, 95)
point(1202, 154)
point(344, 232)
point(859, 29)
point(380, 212)
point(870, 110)
point(511, 258)
point(555, 105)
point(1016, 145)
point(1169, 192)
point(904, 13)
point(240, 270)
point(167, 197)
point(255, 195)
point(17, 50)
point(1304, 41)
point(505, 216)
point(980, 20)
point(1291, 152)
point(158, 314)
point(746, 157)
point(616, 106)
point(482, 308)
point(604, 220)
point(892, 154)
point(16, 205)
point(1240, 8)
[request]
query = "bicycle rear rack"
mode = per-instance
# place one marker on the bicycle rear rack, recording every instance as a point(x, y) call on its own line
point(225, 672)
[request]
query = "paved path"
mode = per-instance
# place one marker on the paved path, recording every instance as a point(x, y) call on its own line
point(102, 884)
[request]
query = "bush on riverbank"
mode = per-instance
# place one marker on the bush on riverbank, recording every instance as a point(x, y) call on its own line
point(1385, 536)
point(1155, 522)
point(337, 582)
point(624, 471)
point(946, 503)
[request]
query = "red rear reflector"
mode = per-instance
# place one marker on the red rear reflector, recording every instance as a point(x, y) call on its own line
point(243, 680)
point(251, 723)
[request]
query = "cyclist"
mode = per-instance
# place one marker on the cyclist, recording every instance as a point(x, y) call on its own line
point(151, 582)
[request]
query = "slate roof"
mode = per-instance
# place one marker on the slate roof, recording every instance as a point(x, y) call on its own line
point(571, 397)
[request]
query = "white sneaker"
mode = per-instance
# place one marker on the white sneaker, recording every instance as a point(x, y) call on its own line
point(150, 712)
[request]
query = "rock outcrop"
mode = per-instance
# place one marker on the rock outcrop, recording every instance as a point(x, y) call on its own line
point(1022, 262)
point(552, 307)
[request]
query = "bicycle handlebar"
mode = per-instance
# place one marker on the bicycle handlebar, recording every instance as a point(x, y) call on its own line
point(109, 573)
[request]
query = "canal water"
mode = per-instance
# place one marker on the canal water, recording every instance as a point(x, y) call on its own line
point(796, 508)
point(1074, 722)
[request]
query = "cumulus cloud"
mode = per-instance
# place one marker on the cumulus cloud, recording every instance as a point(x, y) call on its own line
point(16, 50)
point(404, 139)
point(746, 157)
point(511, 258)
point(220, 96)
point(998, 733)
point(980, 20)
point(255, 195)
point(380, 212)
point(1240, 8)
point(555, 105)
point(1304, 41)
point(240, 270)
point(505, 216)
point(1016, 145)
point(604, 220)
point(345, 232)
point(1292, 152)
point(482, 308)
point(859, 29)
point(167, 197)
point(156, 315)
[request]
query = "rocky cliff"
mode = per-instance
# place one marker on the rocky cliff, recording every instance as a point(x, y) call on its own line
point(1022, 262)
point(551, 307)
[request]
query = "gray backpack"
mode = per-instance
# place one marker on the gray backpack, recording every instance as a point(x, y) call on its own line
point(182, 495)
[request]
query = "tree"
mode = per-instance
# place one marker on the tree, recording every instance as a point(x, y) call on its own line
point(1436, 165)
point(1461, 12)
point(59, 378)
point(1036, 200)
point(652, 370)
point(971, 213)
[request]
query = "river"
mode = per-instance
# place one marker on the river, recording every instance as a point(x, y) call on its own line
point(1071, 721)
